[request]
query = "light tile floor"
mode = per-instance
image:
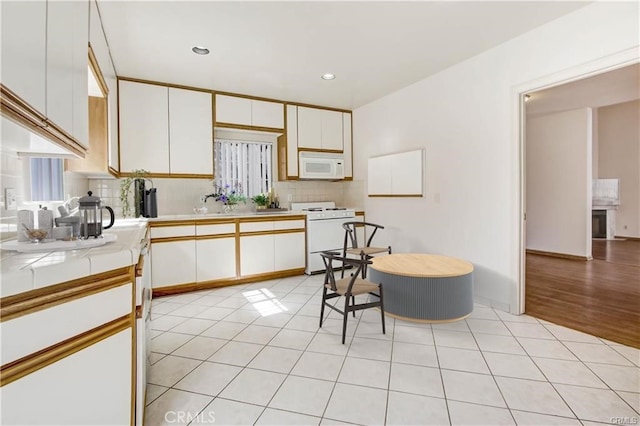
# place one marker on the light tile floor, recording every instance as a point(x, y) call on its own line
point(253, 354)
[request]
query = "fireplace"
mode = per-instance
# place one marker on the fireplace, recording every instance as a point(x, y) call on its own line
point(599, 223)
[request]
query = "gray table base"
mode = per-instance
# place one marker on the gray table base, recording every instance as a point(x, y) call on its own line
point(426, 299)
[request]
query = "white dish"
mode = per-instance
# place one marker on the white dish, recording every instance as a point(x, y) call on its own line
point(58, 245)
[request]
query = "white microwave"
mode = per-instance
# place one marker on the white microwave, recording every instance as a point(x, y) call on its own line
point(321, 165)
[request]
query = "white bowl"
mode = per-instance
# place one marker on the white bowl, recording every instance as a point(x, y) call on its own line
point(200, 210)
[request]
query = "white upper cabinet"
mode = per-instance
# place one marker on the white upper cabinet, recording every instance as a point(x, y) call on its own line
point(24, 26)
point(44, 60)
point(267, 114)
point(309, 128)
point(249, 112)
point(80, 61)
point(320, 129)
point(190, 132)
point(332, 130)
point(59, 88)
point(165, 129)
point(144, 127)
point(233, 110)
point(292, 142)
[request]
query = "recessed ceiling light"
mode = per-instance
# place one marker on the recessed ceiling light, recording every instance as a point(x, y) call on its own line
point(328, 76)
point(200, 50)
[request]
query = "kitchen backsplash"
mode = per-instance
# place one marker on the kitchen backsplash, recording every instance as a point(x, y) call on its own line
point(180, 196)
point(11, 176)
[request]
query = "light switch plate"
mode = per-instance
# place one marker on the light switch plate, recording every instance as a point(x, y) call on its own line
point(9, 199)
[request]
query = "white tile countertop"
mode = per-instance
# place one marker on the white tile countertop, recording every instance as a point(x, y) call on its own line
point(21, 272)
point(194, 216)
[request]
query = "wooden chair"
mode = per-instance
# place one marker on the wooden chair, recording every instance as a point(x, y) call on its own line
point(351, 246)
point(349, 288)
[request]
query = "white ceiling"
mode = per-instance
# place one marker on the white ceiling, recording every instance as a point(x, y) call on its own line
point(609, 88)
point(279, 50)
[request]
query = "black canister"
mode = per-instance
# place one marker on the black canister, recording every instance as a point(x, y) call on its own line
point(150, 203)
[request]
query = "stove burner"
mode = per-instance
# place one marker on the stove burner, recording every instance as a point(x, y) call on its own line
point(313, 209)
point(336, 208)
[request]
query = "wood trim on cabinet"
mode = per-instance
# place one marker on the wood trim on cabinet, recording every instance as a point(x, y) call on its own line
point(18, 305)
point(113, 172)
point(172, 239)
point(214, 221)
point(184, 288)
point(245, 127)
point(119, 130)
point(134, 352)
point(360, 213)
point(157, 83)
point(318, 107)
point(164, 223)
point(238, 257)
point(139, 266)
point(169, 175)
point(215, 236)
point(272, 232)
point(335, 151)
point(396, 195)
point(267, 218)
point(31, 363)
point(97, 72)
point(16, 109)
point(559, 255)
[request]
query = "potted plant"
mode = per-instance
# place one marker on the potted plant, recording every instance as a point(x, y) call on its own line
point(229, 196)
point(261, 201)
point(137, 178)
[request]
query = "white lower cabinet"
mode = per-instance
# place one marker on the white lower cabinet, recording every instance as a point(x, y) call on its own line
point(64, 392)
point(256, 254)
point(289, 251)
point(215, 259)
point(173, 263)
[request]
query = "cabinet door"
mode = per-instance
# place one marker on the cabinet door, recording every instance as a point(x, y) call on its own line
point(256, 254)
point(80, 62)
point(289, 251)
point(23, 38)
point(144, 131)
point(347, 148)
point(173, 263)
point(66, 389)
point(233, 110)
point(59, 87)
point(216, 259)
point(190, 132)
point(309, 128)
point(267, 114)
point(331, 130)
point(292, 141)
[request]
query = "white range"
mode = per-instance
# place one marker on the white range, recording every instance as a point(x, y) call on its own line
point(324, 230)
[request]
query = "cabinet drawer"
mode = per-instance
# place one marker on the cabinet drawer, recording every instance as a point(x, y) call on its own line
point(288, 224)
point(173, 231)
point(222, 228)
point(256, 226)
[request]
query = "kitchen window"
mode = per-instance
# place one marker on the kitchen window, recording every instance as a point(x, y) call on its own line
point(243, 164)
point(46, 181)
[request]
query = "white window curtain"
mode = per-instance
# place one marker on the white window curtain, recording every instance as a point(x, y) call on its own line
point(46, 179)
point(243, 164)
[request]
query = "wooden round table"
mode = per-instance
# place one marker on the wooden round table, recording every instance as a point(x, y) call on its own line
point(424, 287)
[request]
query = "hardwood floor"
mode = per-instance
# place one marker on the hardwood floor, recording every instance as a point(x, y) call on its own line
point(599, 297)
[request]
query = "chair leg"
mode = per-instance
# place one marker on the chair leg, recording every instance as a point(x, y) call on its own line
point(384, 331)
point(353, 302)
point(324, 297)
point(344, 319)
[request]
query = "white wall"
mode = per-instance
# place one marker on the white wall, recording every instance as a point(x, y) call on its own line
point(619, 157)
point(464, 118)
point(558, 182)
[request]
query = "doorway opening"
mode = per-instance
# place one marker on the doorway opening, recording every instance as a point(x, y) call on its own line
point(568, 276)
